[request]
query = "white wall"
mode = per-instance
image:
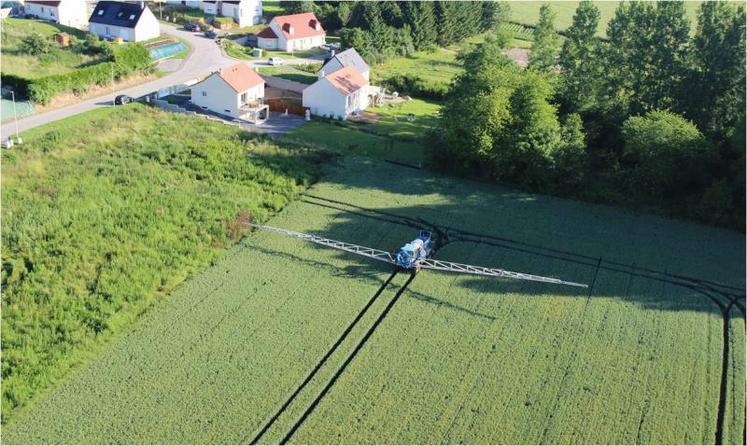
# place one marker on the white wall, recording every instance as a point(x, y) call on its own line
point(216, 95)
point(69, 13)
point(304, 43)
point(246, 13)
point(322, 99)
point(268, 44)
point(147, 27)
point(104, 31)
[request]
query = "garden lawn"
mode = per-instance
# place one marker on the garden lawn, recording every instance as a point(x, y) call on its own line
point(458, 359)
point(100, 221)
point(59, 61)
point(290, 73)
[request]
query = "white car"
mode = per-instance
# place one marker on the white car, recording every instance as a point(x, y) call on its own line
point(275, 61)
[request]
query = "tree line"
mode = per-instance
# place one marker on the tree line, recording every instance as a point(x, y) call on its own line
point(381, 30)
point(650, 117)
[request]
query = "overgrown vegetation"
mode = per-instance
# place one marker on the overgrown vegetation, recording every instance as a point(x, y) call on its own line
point(37, 67)
point(105, 213)
point(29, 51)
point(635, 135)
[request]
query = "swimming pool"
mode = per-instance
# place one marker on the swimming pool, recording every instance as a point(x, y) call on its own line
point(166, 50)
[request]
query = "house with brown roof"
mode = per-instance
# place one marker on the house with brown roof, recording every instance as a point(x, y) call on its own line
point(65, 12)
point(236, 91)
point(337, 95)
point(292, 33)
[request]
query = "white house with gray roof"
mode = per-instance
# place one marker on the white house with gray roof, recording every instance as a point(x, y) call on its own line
point(347, 58)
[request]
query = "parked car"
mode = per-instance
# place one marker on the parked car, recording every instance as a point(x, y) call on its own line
point(210, 34)
point(194, 27)
point(275, 61)
point(123, 99)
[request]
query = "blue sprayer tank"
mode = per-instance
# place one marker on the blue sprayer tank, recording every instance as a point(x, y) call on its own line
point(420, 248)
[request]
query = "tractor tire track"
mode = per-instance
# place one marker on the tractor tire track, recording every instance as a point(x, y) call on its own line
point(347, 362)
point(323, 360)
point(724, 296)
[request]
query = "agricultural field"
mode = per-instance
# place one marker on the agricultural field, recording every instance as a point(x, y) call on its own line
point(527, 12)
point(280, 340)
point(98, 226)
point(27, 66)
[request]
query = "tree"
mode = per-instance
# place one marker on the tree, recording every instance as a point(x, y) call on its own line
point(35, 44)
point(579, 59)
point(546, 41)
point(344, 12)
point(718, 70)
point(476, 111)
point(447, 15)
point(421, 16)
point(494, 14)
point(671, 33)
point(354, 38)
point(570, 158)
point(533, 134)
point(666, 153)
point(296, 7)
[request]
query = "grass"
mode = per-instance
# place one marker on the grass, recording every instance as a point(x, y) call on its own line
point(391, 138)
point(455, 357)
point(239, 51)
point(98, 226)
point(290, 73)
point(59, 61)
point(527, 12)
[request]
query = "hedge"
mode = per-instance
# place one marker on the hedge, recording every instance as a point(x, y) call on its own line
point(414, 85)
point(129, 59)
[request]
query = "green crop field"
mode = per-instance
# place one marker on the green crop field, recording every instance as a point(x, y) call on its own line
point(282, 340)
point(527, 12)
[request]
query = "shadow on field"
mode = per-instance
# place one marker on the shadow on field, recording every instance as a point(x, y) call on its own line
point(656, 263)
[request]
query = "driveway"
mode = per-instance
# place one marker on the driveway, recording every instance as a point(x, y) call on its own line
point(205, 58)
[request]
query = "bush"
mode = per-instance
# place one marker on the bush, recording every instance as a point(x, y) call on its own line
point(129, 59)
point(35, 44)
point(414, 85)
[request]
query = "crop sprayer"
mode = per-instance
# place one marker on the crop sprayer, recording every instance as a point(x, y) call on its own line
point(415, 256)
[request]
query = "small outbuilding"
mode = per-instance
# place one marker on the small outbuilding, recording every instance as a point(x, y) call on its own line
point(337, 95)
point(236, 91)
point(132, 22)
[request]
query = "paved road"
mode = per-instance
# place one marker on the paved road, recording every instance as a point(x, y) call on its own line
point(206, 57)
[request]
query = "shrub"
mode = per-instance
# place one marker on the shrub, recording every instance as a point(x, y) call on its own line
point(35, 44)
point(415, 85)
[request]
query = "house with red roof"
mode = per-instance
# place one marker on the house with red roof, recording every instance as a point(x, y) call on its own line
point(236, 91)
point(292, 33)
point(338, 95)
point(65, 12)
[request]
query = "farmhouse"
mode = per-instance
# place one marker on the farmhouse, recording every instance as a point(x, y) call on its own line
point(65, 12)
point(243, 12)
point(236, 91)
point(133, 22)
point(338, 95)
point(347, 58)
point(292, 33)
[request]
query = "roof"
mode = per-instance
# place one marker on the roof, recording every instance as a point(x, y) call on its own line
point(240, 77)
point(37, 2)
point(347, 80)
point(267, 33)
point(117, 14)
point(302, 25)
point(351, 58)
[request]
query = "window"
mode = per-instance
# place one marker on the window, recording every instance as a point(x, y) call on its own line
point(204, 93)
point(107, 31)
point(132, 16)
point(120, 14)
point(42, 9)
point(101, 12)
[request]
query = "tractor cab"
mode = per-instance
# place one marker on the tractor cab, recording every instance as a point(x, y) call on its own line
point(420, 248)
